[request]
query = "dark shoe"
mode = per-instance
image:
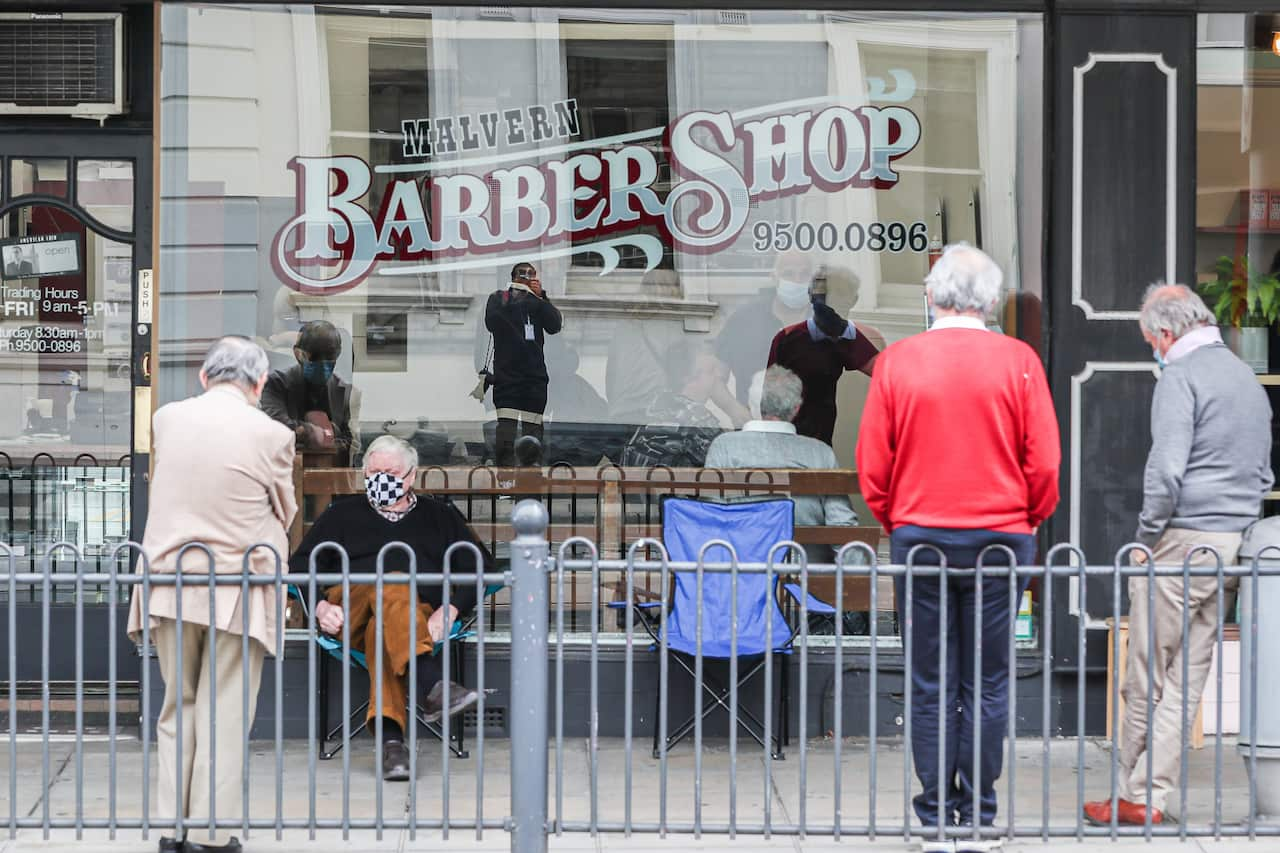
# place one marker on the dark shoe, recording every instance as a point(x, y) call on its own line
point(1128, 813)
point(232, 846)
point(170, 845)
point(395, 761)
point(460, 699)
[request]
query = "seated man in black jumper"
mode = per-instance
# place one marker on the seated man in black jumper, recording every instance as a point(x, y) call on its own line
point(391, 512)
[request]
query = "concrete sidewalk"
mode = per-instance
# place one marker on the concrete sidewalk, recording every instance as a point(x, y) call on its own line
point(782, 792)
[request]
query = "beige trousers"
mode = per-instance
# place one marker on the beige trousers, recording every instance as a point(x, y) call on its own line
point(190, 706)
point(1165, 668)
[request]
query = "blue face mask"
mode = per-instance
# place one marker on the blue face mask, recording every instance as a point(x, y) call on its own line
point(1160, 360)
point(317, 372)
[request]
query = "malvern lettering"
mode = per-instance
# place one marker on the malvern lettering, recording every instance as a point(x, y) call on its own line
point(426, 137)
point(436, 217)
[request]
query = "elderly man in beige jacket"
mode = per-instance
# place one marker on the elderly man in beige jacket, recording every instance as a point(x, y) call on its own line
point(223, 478)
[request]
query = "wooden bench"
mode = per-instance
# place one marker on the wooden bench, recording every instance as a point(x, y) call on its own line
point(610, 506)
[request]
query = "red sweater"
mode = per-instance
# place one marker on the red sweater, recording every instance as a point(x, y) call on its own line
point(959, 432)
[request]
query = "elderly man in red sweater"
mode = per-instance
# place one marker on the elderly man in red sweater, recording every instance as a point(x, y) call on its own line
point(959, 449)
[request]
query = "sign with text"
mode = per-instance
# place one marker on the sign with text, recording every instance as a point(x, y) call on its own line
point(484, 205)
point(40, 255)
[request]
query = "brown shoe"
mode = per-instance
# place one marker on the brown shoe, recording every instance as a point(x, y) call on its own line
point(395, 761)
point(460, 698)
point(1129, 813)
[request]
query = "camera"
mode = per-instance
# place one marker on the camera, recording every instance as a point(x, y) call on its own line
point(484, 382)
point(818, 287)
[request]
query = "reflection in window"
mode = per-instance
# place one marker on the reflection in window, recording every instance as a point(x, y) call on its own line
point(412, 328)
point(1238, 190)
point(38, 176)
point(65, 431)
point(619, 80)
point(104, 188)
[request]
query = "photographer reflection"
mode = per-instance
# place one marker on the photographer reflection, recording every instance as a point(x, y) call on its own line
point(519, 318)
point(309, 399)
point(679, 428)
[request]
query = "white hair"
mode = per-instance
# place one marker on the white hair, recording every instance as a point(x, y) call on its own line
point(964, 279)
point(1174, 308)
point(396, 446)
point(782, 394)
point(234, 359)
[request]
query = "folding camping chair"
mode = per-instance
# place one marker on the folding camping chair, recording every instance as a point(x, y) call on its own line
point(461, 630)
point(752, 528)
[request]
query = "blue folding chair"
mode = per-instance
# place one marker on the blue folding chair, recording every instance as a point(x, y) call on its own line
point(752, 528)
point(460, 630)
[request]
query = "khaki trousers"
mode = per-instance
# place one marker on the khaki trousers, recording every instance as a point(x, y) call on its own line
point(398, 602)
point(1166, 667)
point(196, 697)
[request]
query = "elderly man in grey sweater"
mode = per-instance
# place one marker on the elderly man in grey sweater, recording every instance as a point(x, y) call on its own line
point(1207, 473)
point(772, 442)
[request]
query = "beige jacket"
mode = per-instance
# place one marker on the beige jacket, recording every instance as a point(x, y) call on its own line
point(223, 476)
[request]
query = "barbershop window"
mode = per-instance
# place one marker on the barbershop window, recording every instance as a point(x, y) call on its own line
point(384, 171)
point(1238, 189)
point(66, 303)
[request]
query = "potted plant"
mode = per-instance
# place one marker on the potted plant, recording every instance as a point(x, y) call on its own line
point(1246, 304)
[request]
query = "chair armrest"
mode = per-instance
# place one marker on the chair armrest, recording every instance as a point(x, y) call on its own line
point(642, 605)
point(815, 606)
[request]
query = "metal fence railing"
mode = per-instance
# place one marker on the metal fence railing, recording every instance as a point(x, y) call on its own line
point(715, 781)
point(82, 501)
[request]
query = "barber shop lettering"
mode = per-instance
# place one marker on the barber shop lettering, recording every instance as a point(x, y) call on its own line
point(436, 215)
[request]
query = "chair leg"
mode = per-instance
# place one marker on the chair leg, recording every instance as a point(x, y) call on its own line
point(364, 724)
point(784, 699)
point(322, 663)
point(458, 732)
point(782, 726)
point(657, 709)
point(719, 696)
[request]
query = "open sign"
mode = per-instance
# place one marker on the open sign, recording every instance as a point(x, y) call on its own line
point(39, 255)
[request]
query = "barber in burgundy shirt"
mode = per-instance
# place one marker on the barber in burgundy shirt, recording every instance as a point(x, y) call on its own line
point(819, 350)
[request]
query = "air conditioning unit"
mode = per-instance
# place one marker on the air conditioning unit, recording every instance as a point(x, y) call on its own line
point(62, 63)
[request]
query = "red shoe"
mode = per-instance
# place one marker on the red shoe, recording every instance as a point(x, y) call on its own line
point(1098, 813)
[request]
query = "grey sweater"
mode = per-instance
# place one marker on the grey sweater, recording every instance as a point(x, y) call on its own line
point(1210, 461)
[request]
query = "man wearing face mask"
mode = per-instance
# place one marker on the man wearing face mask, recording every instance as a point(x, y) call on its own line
point(309, 399)
point(743, 344)
point(1207, 474)
point(390, 511)
point(819, 350)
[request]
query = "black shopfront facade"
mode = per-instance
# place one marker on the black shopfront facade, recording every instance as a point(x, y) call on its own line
point(656, 164)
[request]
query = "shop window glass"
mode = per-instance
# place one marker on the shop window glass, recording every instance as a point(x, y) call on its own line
point(104, 189)
point(65, 431)
point(385, 170)
point(1238, 188)
point(38, 176)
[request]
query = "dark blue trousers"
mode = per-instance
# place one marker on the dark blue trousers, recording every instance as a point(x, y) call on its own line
point(991, 710)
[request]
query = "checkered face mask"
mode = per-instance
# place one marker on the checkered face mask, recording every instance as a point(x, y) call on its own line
point(384, 489)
